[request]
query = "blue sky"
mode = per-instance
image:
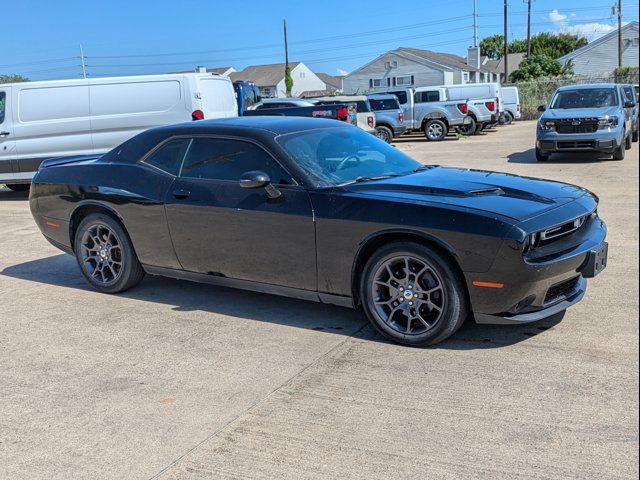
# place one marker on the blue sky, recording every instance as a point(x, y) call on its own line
point(40, 39)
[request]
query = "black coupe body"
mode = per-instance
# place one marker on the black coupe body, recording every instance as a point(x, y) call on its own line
point(320, 210)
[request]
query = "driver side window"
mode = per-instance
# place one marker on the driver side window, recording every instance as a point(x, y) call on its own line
point(3, 98)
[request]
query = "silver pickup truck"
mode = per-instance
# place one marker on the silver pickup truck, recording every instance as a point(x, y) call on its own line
point(429, 110)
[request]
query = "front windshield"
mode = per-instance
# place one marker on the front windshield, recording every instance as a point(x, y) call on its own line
point(585, 98)
point(337, 156)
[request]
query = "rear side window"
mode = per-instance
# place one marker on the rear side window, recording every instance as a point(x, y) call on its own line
point(3, 98)
point(361, 105)
point(169, 156)
point(402, 96)
point(386, 104)
point(629, 94)
point(428, 96)
point(225, 159)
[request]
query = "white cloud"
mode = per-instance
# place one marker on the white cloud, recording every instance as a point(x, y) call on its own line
point(342, 72)
point(556, 17)
point(589, 30)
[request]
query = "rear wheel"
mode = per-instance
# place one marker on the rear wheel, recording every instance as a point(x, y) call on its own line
point(384, 133)
point(508, 118)
point(412, 294)
point(435, 130)
point(541, 157)
point(105, 254)
point(469, 129)
point(19, 187)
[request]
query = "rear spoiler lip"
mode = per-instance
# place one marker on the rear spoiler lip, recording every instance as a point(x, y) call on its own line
point(52, 162)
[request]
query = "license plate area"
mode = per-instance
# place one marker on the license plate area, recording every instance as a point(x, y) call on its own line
point(596, 261)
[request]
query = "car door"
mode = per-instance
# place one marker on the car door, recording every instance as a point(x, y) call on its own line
point(7, 139)
point(219, 228)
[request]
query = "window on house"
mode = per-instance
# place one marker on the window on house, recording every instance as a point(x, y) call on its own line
point(378, 82)
point(465, 77)
point(390, 65)
point(635, 42)
point(404, 80)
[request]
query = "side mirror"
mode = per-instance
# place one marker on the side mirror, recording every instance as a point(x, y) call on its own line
point(258, 179)
point(542, 108)
point(629, 104)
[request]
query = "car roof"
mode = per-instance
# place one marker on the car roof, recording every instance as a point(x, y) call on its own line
point(382, 96)
point(581, 86)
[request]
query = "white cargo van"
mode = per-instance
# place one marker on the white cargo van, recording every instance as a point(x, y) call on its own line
point(40, 120)
point(469, 91)
point(511, 98)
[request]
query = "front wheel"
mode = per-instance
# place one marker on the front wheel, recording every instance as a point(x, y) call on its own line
point(540, 157)
point(105, 254)
point(384, 133)
point(627, 142)
point(435, 130)
point(619, 152)
point(412, 294)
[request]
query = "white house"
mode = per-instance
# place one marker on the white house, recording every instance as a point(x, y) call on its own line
point(415, 67)
point(601, 55)
point(270, 79)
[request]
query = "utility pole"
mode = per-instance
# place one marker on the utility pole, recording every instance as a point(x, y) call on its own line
point(475, 23)
point(619, 33)
point(286, 46)
point(528, 28)
point(506, 43)
point(84, 66)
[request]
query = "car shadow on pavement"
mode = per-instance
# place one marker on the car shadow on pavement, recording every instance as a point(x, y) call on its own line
point(8, 195)
point(529, 156)
point(183, 296)
point(409, 138)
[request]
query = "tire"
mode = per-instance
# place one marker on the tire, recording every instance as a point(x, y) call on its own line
point(384, 133)
point(388, 306)
point(634, 135)
point(19, 187)
point(469, 129)
point(619, 152)
point(628, 142)
point(435, 130)
point(540, 157)
point(508, 118)
point(117, 248)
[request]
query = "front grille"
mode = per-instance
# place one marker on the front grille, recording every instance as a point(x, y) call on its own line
point(577, 125)
point(561, 290)
point(577, 144)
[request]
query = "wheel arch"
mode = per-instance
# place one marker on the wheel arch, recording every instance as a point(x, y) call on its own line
point(442, 118)
point(373, 242)
point(84, 209)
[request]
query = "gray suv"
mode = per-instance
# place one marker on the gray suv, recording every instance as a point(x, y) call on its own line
point(389, 116)
point(590, 117)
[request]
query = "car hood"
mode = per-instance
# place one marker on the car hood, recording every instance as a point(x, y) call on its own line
point(519, 198)
point(559, 113)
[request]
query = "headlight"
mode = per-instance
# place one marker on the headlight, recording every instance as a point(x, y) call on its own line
point(607, 122)
point(531, 241)
point(547, 125)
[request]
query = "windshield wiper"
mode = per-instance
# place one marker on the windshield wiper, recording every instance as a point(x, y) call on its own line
point(369, 179)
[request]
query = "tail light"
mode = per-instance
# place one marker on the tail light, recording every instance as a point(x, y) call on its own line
point(401, 117)
point(491, 106)
point(463, 107)
point(343, 114)
point(371, 122)
point(517, 107)
point(197, 115)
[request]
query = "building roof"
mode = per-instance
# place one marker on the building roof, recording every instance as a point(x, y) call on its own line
point(497, 66)
point(331, 80)
point(263, 75)
point(446, 59)
point(218, 70)
point(595, 43)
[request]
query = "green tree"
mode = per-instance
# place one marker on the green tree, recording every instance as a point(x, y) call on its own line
point(492, 46)
point(13, 78)
point(288, 80)
point(553, 45)
point(537, 66)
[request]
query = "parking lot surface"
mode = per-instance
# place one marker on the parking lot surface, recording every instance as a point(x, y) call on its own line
point(176, 380)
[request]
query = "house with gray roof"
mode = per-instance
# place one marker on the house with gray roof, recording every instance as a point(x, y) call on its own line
point(415, 67)
point(601, 56)
point(270, 79)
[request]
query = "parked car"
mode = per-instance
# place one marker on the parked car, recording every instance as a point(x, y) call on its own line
point(320, 210)
point(248, 96)
point(511, 101)
point(491, 90)
point(58, 118)
point(269, 103)
point(366, 117)
point(483, 111)
point(389, 116)
point(340, 111)
point(632, 97)
point(589, 117)
point(429, 110)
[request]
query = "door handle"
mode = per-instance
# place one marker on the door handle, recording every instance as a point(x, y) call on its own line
point(5, 134)
point(181, 194)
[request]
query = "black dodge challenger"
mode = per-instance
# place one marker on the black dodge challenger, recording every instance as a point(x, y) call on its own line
point(321, 210)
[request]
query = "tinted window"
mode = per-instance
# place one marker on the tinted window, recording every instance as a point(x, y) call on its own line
point(629, 93)
point(428, 96)
point(2, 103)
point(361, 106)
point(402, 96)
point(386, 104)
point(222, 159)
point(585, 98)
point(274, 105)
point(169, 156)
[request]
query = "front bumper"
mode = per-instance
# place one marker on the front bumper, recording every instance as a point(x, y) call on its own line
point(536, 287)
point(605, 141)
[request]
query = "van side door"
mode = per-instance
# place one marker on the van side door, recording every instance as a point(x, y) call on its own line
point(7, 142)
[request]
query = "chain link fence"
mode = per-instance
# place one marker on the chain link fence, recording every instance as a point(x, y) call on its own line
point(538, 92)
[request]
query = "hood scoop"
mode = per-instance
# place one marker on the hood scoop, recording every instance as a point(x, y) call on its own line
point(486, 191)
